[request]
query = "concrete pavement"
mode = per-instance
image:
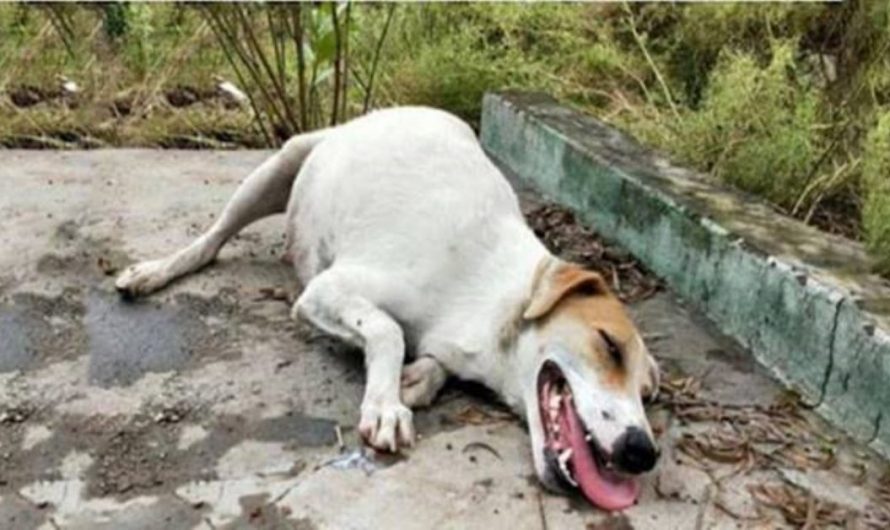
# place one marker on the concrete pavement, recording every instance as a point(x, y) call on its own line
point(205, 406)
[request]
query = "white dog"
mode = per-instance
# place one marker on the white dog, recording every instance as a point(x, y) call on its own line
point(411, 245)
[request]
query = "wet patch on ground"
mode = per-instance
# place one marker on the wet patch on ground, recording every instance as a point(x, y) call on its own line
point(123, 339)
point(130, 338)
point(37, 329)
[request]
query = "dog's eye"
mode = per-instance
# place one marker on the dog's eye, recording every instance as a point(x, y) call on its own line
point(612, 347)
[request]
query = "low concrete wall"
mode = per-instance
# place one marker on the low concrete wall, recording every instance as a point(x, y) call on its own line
point(801, 300)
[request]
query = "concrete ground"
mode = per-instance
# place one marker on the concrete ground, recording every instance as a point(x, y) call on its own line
point(205, 406)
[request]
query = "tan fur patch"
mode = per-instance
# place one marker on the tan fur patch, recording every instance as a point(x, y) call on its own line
point(579, 315)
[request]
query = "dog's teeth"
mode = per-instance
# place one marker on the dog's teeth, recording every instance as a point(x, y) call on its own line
point(563, 466)
point(554, 402)
point(588, 438)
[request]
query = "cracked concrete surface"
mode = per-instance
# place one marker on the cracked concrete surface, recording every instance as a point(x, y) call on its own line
point(205, 406)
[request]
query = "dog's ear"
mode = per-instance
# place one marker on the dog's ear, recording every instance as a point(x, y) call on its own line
point(557, 280)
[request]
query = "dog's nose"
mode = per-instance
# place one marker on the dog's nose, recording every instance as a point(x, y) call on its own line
point(634, 451)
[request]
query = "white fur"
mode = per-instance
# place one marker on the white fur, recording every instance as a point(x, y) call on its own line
point(408, 239)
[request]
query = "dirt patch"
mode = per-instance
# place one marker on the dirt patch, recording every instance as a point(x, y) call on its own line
point(134, 459)
point(185, 96)
point(81, 257)
point(145, 117)
point(142, 456)
point(259, 512)
point(840, 215)
point(25, 96)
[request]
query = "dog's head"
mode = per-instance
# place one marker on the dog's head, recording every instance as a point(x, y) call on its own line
point(588, 373)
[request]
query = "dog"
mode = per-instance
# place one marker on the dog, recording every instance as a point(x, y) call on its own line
point(411, 246)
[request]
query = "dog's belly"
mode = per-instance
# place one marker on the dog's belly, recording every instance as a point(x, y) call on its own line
point(407, 192)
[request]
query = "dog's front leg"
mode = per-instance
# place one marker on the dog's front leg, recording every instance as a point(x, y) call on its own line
point(332, 303)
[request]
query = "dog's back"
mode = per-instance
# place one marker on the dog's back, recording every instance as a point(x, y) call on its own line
point(408, 190)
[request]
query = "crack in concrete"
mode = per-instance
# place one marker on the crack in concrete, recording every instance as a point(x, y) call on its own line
point(753, 340)
point(829, 367)
point(284, 493)
point(877, 427)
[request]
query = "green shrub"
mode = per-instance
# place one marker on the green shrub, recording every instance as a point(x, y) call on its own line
point(754, 129)
point(775, 99)
point(876, 182)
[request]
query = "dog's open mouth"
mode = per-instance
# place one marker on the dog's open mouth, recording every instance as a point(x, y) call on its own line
point(572, 452)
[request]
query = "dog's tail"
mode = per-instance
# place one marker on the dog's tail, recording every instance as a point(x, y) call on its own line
point(266, 191)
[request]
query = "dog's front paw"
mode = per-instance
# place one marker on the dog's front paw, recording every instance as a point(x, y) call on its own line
point(386, 426)
point(142, 278)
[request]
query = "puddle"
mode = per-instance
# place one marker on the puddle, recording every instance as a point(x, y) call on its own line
point(15, 346)
point(124, 340)
point(297, 429)
point(35, 327)
point(128, 339)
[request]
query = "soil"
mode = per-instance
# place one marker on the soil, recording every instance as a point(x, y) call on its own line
point(121, 110)
point(839, 215)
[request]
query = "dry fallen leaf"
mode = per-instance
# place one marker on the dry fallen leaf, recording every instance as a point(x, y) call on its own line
point(272, 293)
point(473, 415)
point(800, 508)
point(106, 266)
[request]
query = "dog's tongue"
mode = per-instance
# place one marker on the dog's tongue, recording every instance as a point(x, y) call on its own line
point(605, 490)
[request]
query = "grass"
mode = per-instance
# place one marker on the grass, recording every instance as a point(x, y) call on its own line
point(786, 101)
point(876, 174)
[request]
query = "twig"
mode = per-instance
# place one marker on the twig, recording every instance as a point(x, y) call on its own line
point(339, 432)
point(230, 29)
point(481, 445)
point(297, 36)
point(541, 511)
point(655, 70)
point(277, 85)
point(220, 37)
point(357, 75)
point(375, 61)
point(346, 31)
point(844, 168)
point(277, 46)
point(706, 503)
point(66, 34)
point(338, 63)
point(808, 185)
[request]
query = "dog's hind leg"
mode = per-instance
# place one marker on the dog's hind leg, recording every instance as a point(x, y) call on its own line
point(264, 192)
point(421, 381)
